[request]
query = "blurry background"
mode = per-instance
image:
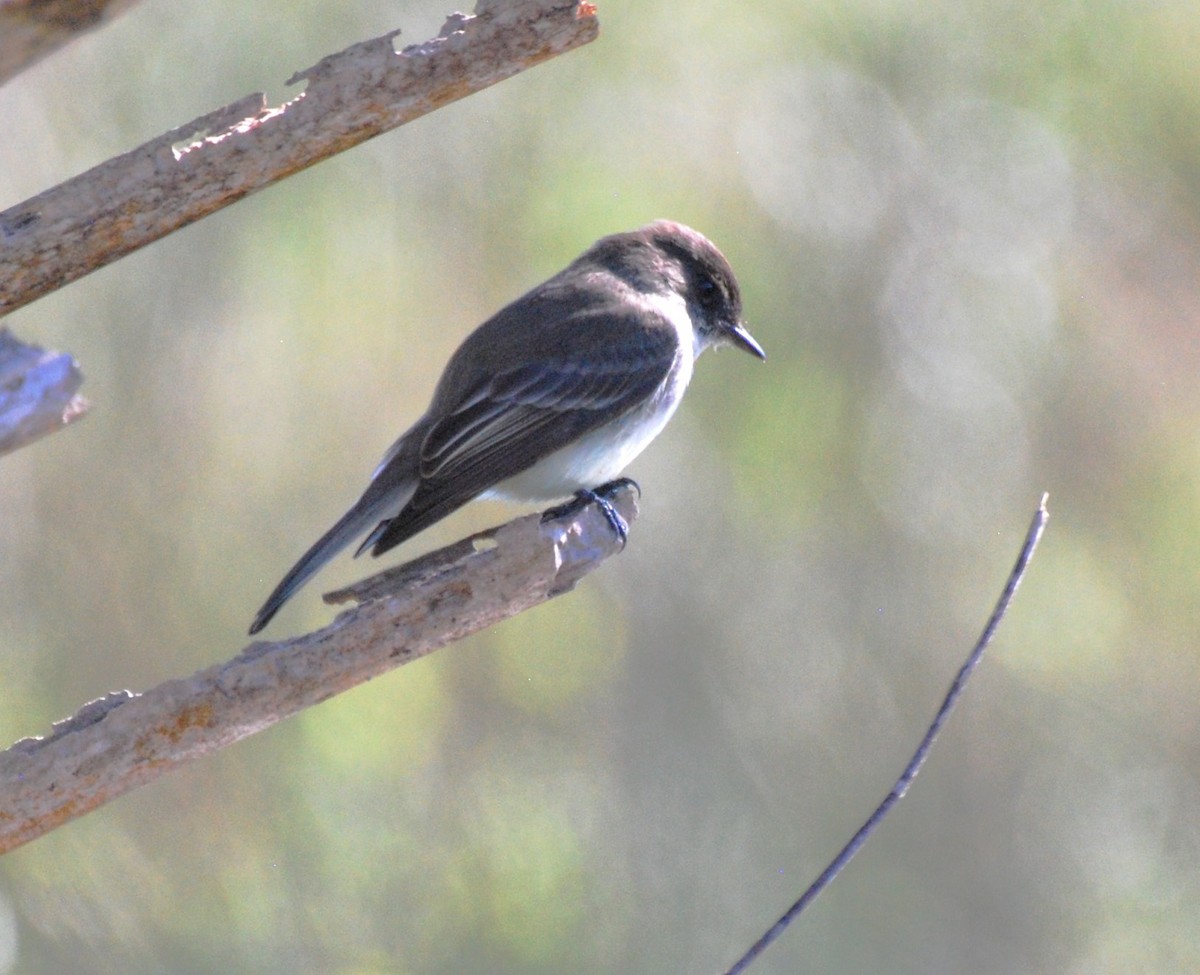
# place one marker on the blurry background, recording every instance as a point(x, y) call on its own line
point(967, 234)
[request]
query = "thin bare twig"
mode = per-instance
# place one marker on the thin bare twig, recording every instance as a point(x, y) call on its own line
point(125, 740)
point(192, 171)
point(914, 766)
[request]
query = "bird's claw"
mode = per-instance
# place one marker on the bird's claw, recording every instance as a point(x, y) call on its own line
point(601, 497)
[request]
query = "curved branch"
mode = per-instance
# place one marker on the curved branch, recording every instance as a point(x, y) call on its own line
point(125, 740)
point(902, 784)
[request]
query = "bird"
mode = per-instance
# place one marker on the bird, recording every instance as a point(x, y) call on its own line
point(554, 395)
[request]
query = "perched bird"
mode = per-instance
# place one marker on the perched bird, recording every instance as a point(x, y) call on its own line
point(554, 394)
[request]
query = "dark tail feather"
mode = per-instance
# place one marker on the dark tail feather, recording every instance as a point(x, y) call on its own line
point(421, 511)
point(352, 524)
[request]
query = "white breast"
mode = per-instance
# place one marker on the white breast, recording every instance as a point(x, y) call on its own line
point(602, 455)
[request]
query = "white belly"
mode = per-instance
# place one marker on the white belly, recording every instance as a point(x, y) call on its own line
point(602, 455)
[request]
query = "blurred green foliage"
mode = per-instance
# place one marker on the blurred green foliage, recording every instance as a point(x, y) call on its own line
point(967, 235)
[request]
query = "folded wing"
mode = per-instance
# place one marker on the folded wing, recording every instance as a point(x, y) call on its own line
point(505, 423)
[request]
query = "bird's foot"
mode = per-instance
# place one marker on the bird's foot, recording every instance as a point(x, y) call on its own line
point(601, 496)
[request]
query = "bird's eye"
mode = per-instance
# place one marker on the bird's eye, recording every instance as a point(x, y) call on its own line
point(709, 292)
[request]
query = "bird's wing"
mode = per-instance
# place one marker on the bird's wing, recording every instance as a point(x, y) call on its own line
point(505, 423)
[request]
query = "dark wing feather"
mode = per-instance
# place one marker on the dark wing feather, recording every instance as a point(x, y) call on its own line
point(506, 423)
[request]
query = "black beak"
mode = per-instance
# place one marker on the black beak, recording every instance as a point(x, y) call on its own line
point(739, 337)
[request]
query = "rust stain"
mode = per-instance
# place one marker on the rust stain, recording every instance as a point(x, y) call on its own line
point(33, 828)
point(194, 716)
point(451, 93)
point(456, 594)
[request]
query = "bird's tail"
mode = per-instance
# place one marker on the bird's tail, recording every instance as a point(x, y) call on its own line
point(371, 508)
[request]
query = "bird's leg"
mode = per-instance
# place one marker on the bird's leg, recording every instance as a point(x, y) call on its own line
point(601, 496)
